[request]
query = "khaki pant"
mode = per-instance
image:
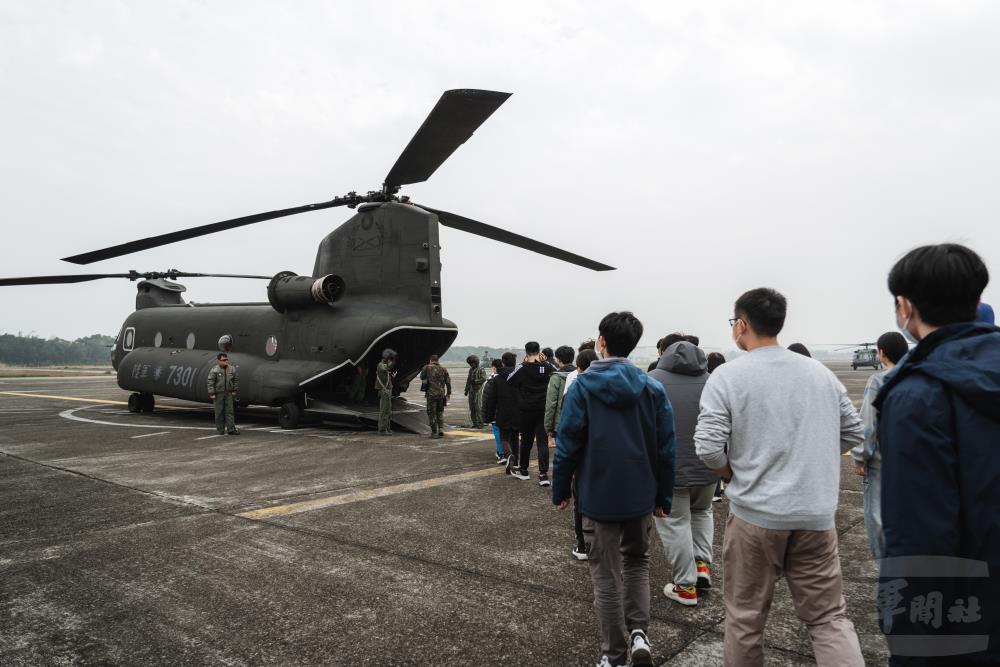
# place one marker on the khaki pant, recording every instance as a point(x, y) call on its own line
point(753, 559)
point(618, 554)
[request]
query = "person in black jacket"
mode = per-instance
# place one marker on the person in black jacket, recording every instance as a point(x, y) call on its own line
point(531, 380)
point(939, 436)
point(500, 407)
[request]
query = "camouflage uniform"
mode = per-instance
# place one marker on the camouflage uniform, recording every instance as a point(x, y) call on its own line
point(438, 393)
point(383, 385)
point(474, 390)
point(222, 386)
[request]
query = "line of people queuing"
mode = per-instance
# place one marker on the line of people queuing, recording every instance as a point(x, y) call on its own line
point(637, 451)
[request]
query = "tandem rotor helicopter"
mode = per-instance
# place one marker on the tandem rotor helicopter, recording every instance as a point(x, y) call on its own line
point(314, 344)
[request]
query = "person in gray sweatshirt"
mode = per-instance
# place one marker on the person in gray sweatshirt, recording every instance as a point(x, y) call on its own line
point(687, 532)
point(774, 424)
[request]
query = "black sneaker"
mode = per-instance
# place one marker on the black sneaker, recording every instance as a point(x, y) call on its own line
point(234, 432)
point(519, 474)
point(580, 552)
point(543, 479)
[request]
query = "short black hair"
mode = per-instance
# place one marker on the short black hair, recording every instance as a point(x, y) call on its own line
point(763, 309)
point(585, 359)
point(715, 359)
point(509, 359)
point(893, 345)
point(587, 345)
point(547, 351)
point(497, 364)
point(220, 355)
point(532, 347)
point(472, 360)
point(799, 348)
point(621, 332)
point(565, 354)
point(943, 281)
point(676, 337)
point(434, 358)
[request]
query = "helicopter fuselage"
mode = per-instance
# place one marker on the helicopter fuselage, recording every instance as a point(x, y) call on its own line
point(391, 299)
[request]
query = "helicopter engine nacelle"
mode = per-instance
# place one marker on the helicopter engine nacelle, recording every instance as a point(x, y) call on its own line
point(288, 291)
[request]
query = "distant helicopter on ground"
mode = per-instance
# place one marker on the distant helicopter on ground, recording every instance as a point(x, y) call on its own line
point(315, 343)
point(866, 355)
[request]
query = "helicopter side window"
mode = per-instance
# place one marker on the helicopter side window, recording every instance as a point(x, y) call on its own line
point(225, 343)
point(128, 341)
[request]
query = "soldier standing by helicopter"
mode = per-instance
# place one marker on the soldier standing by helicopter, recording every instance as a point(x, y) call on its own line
point(474, 390)
point(383, 385)
point(222, 385)
point(438, 393)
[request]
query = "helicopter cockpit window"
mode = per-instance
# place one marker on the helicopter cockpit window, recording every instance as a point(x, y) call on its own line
point(226, 343)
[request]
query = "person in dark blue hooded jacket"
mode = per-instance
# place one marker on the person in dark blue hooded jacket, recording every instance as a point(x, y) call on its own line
point(616, 434)
point(939, 433)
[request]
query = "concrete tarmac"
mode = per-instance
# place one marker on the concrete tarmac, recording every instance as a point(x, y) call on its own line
point(148, 539)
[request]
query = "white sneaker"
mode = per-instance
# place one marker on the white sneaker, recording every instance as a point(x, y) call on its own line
point(639, 649)
point(607, 663)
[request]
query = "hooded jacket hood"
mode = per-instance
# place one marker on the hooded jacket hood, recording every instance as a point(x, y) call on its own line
point(615, 382)
point(965, 357)
point(683, 358)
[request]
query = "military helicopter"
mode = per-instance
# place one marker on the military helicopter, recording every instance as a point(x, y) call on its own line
point(866, 355)
point(315, 343)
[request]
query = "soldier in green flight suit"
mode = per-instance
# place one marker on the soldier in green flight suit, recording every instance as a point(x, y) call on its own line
point(222, 385)
point(474, 390)
point(438, 393)
point(384, 373)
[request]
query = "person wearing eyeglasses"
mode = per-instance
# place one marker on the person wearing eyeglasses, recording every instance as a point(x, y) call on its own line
point(786, 420)
point(222, 386)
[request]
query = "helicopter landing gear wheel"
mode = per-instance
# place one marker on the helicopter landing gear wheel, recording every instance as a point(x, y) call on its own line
point(289, 415)
point(135, 403)
point(853, 367)
point(146, 402)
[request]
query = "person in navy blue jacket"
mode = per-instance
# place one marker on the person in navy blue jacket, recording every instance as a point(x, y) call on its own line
point(939, 433)
point(616, 434)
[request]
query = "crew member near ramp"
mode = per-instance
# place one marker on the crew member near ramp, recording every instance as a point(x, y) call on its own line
point(474, 390)
point(384, 373)
point(222, 385)
point(438, 393)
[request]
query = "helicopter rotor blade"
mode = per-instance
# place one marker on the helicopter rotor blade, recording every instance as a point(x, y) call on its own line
point(450, 123)
point(194, 232)
point(132, 275)
point(471, 226)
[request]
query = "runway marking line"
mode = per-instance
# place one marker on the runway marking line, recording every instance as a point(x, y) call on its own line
point(149, 435)
point(368, 494)
point(63, 398)
point(101, 401)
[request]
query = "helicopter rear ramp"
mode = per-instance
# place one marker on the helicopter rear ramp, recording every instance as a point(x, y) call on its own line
point(405, 414)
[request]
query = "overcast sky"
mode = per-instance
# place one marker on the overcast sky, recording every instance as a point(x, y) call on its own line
point(701, 150)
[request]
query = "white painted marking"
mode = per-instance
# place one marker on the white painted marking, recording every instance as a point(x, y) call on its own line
point(149, 435)
point(209, 437)
point(71, 414)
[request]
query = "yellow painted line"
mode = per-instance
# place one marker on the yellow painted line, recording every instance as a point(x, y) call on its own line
point(63, 398)
point(369, 494)
point(467, 434)
point(86, 400)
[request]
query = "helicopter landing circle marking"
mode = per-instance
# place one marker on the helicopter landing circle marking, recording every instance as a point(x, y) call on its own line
point(71, 414)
